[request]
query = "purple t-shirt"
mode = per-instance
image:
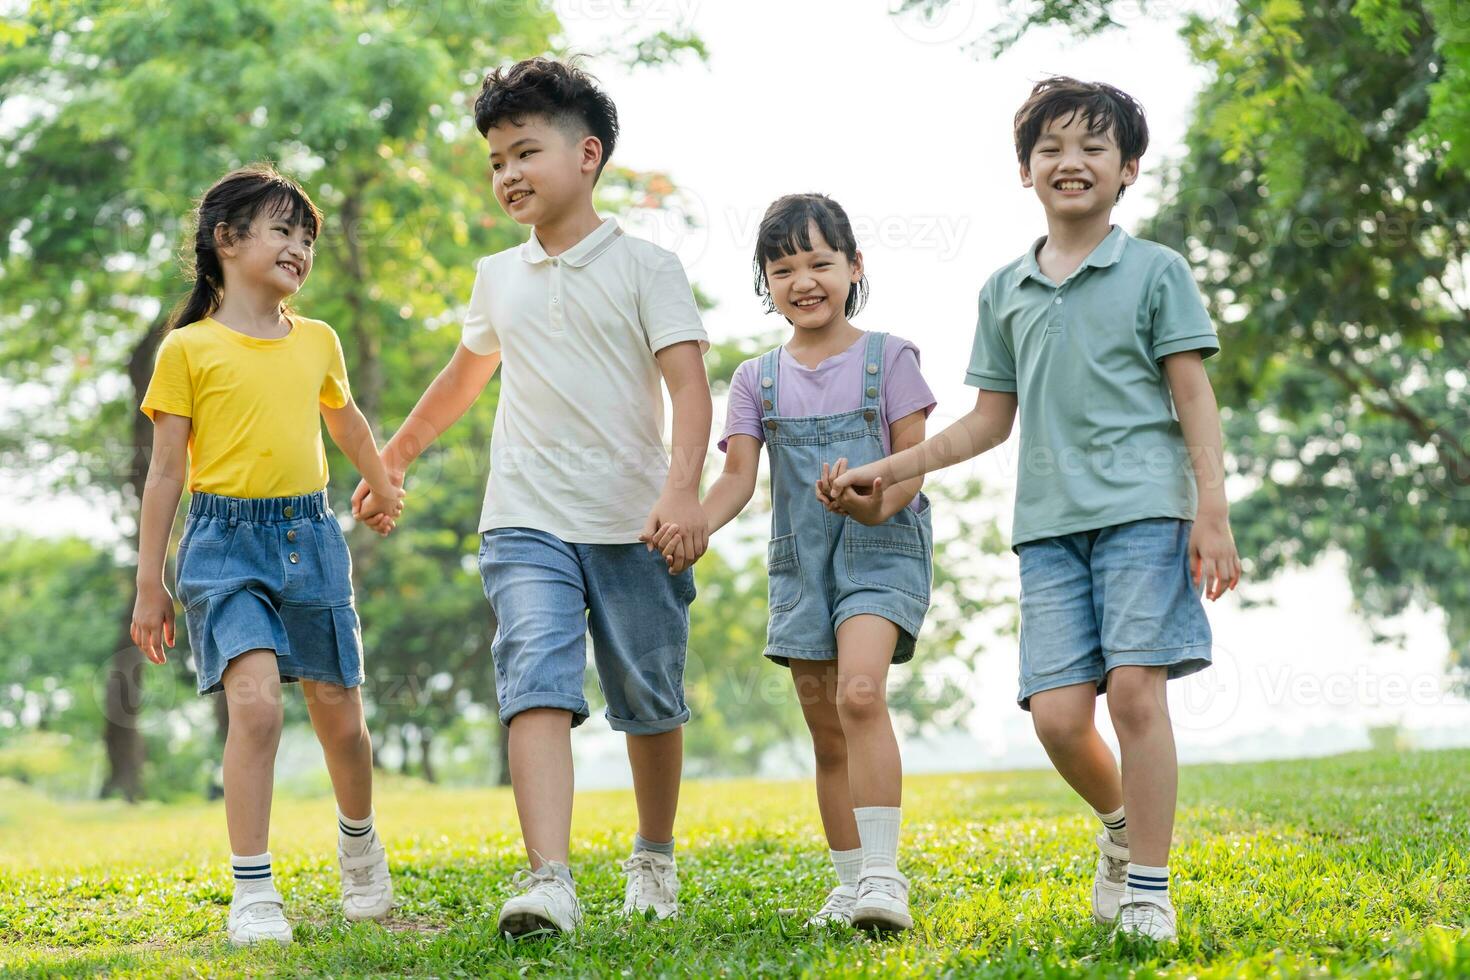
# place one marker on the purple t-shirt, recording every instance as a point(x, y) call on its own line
point(836, 385)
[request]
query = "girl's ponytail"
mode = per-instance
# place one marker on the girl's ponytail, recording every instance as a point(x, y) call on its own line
point(234, 201)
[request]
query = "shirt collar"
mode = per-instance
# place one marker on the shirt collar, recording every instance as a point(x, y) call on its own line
point(1104, 253)
point(579, 254)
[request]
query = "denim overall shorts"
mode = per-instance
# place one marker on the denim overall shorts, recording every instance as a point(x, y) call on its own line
point(826, 568)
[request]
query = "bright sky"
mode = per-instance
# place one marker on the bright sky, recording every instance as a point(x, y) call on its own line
point(911, 133)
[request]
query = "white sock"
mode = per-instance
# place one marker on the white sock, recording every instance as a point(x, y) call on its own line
point(849, 865)
point(878, 830)
point(1116, 824)
point(252, 872)
point(1146, 883)
point(355, 837)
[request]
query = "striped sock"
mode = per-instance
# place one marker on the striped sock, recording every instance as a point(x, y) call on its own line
point(1116, 825)
point(252, 872)
point(849, 865)
point(1147, 883)
point(354, 837)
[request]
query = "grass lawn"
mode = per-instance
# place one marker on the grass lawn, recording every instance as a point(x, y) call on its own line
point(1350, 866)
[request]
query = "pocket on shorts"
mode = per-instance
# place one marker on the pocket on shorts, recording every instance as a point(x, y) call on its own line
point(783, 568)
point(203, 552)
point(336, 561)
point(888, 556)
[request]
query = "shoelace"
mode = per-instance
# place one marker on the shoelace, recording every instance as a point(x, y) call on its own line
point(1116, 868)
point(837, 904)
point(891, 887)
point(643, 875)
point(362, 877)
point(261, 912)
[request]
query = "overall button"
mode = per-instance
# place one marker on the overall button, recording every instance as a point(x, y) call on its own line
point(872, 369)
point(771, 424)
point(870, 415)
point(872, 391)
point(295, 558)
point(288, 511)
point(767, 404)
point(291, 535)
point(765, 382)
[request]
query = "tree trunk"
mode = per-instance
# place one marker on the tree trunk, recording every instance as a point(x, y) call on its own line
point(123, 700)
point(426, 757)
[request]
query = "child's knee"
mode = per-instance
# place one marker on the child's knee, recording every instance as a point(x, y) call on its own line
point(829, 747)
point(257, 721)
point(861, 700)
point(345, 734)
point(1059, 729)
point(1136, 697)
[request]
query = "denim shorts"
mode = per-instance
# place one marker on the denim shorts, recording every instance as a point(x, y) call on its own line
point(268, 574)
point(1111, 597)
point(547, 595)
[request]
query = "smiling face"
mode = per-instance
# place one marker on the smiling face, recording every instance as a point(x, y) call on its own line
point(1076, 172)
point(274, 253)
point(810, 287)
point(539, 170)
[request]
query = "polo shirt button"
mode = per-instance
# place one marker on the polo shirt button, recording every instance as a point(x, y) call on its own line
point(295, 558)
point(771, 424)
point(1058, 301)
point(291, 535)
point(554, 262)
point(872, 392)
point(288, 511)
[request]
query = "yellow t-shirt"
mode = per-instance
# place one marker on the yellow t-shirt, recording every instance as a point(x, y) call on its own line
point(254, 404)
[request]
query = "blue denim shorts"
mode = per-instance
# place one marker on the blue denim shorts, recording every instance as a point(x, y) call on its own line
point(268, 574)
point(1111, 597)
point(547, 595)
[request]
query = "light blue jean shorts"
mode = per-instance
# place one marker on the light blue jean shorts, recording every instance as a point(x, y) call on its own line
point(268, 573)
point(1111, 597)
point(548, 594)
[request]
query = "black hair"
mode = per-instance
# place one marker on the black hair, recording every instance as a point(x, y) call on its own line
point(560, 91)
point(1104, 109)
point(786, 230)
point(235, 200)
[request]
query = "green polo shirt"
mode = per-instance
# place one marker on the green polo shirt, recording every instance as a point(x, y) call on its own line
point(1101, 443)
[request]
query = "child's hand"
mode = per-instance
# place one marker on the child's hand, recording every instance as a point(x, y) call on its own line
point(379, 513)
point(677, 521)
point(863, 503)
point(860, 480)
point(1214, 563)
point(153, 621)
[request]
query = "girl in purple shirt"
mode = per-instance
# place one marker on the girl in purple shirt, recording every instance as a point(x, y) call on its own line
point(849, 588)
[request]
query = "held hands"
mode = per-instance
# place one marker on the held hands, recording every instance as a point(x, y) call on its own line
point(153, 621)
point(856, 493)
point(678, 527)
point(1214, 564)
point(378, 511)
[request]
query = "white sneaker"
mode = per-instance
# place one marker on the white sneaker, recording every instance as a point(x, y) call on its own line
point(1148, 918)
point(546, 904)
point(367, 891)
point(653, 883)
point(258, 917)
point(837, 910)
point(1110, 881)
point(882, 901)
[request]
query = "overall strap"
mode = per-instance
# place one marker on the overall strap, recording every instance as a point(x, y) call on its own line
point(873, 370)
point(766, 380)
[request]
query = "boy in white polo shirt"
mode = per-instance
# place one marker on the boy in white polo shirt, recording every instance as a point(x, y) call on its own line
point(587, 319)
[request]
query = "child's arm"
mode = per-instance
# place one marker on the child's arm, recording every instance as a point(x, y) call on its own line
point(728, 495)
point(683, 370)
point(1212, 556)
point(352, 434)
point(440, 406)
point(877, 503)
point(983, 427)
point(153, 612)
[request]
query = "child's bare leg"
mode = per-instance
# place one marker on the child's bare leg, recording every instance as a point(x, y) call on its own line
point(816, 692)
point(1063, 718)
point(336, 716)
point(874, 769)
point(657, 762)
point(1140, 711)
point(541, 779)
point(253, 694)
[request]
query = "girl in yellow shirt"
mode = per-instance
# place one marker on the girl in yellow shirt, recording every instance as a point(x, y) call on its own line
point(263, 570)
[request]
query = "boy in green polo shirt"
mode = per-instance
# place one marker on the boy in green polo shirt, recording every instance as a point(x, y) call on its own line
point(1121, 519)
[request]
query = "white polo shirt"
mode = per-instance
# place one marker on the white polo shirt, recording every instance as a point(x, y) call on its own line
point(577, 449)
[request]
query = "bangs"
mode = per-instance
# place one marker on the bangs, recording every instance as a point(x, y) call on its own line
point(288, 202)
point(788, 230)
